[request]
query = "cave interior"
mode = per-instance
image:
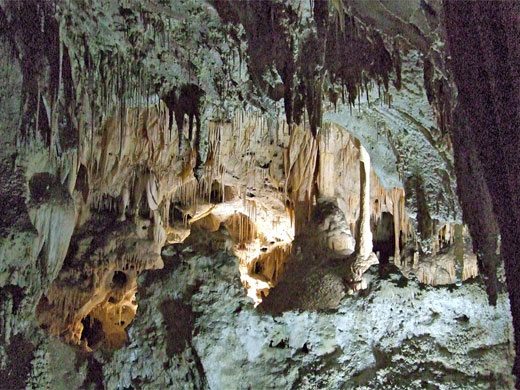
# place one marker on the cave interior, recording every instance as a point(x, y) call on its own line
point(259, 194)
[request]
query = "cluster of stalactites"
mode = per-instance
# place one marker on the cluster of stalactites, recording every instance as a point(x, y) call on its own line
point(233, 147)
point(234, 155)
point(335, 46)
point(262, 273)
point(445, 269)
point(300, 161)
point(148, 168)
point(261, 262)
point(444, 237)
point(339, 176)
point(450, 261)
point(138, 171)
point(34, 37)
point(105, 278)
point(392, 201)
point(242, 229)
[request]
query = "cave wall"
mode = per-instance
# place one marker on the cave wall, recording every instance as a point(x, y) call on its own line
point(138, 128)
point(196, 329)
point(483, 41)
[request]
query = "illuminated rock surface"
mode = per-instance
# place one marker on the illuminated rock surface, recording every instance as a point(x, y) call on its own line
point(197, 329)
point(256, 195)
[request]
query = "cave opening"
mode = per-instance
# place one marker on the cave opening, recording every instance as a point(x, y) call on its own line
point(143, 209)
point(119, 280)
point(92, 332)
point(383, 239)
point(258, 268)
point(175, 214)
point(216, 195)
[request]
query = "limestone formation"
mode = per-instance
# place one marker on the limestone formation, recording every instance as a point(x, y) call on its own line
point(92, 300)
point(289, 192)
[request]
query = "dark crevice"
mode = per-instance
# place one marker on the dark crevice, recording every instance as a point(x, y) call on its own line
point(94, 377)
point(20, 354)
point(180, 321)
point(119, 279)
point(93, 332)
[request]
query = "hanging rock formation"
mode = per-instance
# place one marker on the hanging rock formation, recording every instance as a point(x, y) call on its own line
point(487, 112)
point(295, 190)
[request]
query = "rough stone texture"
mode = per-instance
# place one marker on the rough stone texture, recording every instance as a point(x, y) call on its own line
point(93, 140)
point(333, 228)
point(488, 114)
point(196, 329)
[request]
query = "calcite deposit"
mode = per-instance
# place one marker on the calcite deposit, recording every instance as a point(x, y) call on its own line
point(220, 194)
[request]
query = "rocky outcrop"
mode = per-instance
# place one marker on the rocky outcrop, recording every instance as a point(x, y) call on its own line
point(197, 330)
point(92, 300)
